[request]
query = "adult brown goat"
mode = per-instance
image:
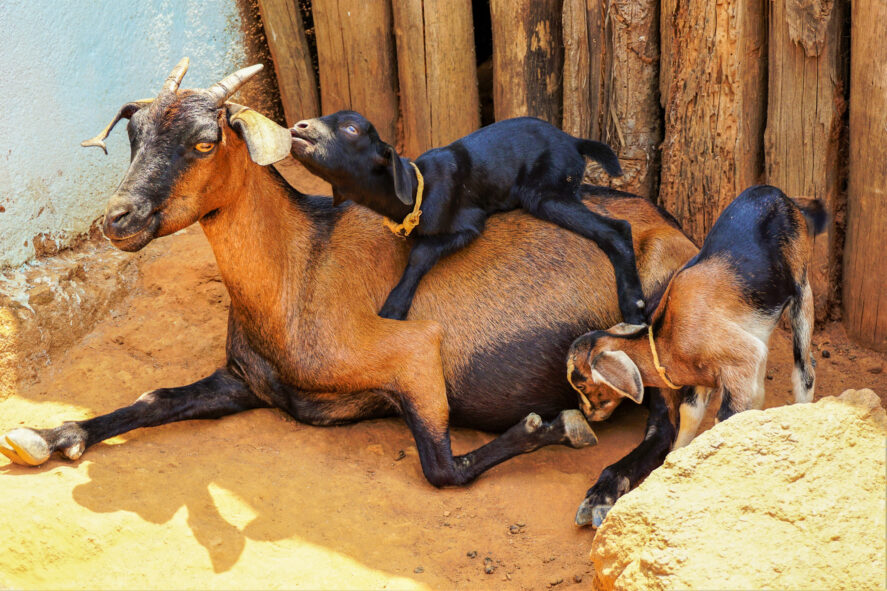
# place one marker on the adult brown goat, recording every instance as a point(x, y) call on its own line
point(484, 345)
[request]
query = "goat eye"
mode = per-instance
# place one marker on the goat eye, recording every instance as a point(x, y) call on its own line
point(204, 146)
point(351, 129)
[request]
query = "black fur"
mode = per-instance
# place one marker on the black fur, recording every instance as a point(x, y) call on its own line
point(517, 163)
point(750, 234)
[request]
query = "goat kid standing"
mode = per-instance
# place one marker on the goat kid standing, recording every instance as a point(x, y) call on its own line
point(712, 326)
point(448, 193)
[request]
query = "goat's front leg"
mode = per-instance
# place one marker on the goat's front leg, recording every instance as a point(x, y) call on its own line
point(619, 478)
point(215, 396)
point(425, 409)
point(426, 251)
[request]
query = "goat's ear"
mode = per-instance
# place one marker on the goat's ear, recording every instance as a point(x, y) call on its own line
point(403, 180)
point(616, 370)
point(266, 141)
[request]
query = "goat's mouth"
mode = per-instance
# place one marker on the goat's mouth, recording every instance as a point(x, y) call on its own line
point(138, 239)
point(302, 144)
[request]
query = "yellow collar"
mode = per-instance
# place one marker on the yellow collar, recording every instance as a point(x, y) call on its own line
point(412, 220)
point(659, 368)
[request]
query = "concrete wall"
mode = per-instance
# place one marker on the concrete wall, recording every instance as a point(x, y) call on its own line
point(67, 68)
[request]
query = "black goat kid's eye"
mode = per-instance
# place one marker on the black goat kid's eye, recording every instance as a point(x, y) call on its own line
point(351, 129)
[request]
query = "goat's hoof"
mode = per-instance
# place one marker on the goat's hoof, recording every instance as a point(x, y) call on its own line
point(591, 514)
point(578, 432)
point(532, 422)
point(25, 447)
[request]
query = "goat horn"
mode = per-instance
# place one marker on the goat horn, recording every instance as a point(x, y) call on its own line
point(125, 112)
point(175, 77)
point(230, 84)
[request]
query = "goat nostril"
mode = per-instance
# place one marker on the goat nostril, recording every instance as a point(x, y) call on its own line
point(302, 125)
point(118, 217)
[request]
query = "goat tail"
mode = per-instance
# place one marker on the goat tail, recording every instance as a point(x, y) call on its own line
point(602, 154)
point(815, 213)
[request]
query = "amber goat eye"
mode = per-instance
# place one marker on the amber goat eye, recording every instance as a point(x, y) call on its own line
point(204, 146)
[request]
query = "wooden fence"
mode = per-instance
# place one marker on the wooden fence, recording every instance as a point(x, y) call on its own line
point(700, 100)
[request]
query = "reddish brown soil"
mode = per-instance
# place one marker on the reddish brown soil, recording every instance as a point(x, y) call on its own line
point(259, 501)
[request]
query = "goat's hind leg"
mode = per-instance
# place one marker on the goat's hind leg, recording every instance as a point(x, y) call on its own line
point(215, 396)
point(613, 236)
point(421, 392)
point(803, 374)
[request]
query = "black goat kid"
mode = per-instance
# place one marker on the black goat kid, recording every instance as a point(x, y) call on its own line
point(517, 163)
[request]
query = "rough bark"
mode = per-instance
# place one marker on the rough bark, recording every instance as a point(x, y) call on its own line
point(527, 59)
point(437, 72)
point(611, 77)
point(355, 52)
point(805, 122)
point(865, 264)
point(713, 89)
point(292, 60)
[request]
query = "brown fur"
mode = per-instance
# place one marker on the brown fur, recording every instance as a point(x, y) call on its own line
point(707, 334)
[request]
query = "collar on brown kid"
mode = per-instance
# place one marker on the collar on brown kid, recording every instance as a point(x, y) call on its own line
point(404, 228)
point(659, 368)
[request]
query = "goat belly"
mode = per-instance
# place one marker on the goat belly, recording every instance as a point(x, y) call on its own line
point(499, 386)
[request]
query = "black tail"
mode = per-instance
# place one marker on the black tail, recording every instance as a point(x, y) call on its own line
point(815, 212)
point(602, 154)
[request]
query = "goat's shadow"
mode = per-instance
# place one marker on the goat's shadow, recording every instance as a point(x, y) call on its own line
point(321, 494)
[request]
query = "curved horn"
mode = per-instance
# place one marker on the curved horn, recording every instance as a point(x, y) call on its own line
point(125, 112)
point(230, 84)
point(175, 77)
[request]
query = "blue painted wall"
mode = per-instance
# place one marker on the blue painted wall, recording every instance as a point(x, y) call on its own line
point(67, 68)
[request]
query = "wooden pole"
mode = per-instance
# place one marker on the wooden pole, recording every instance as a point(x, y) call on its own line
point(611, 79)
point(527, 59)
point(355, 54)
point(712, 83)
point(437, 72)
point(865, 263)
point(805, 119)
point(292, 60)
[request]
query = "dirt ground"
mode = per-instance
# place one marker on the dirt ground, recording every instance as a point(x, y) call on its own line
point(257, 500)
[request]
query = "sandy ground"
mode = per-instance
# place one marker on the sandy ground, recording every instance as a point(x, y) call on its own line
point(257, 500)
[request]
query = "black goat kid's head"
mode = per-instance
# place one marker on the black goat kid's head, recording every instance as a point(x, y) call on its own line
point(345, 150)
point(185, 146)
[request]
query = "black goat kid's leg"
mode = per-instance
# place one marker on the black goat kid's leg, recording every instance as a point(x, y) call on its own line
point(426, 251)
point(215, 396)
point(613, 237)
point(619, 478)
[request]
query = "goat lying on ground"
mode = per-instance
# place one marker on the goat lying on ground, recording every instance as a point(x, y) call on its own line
point(712, 325)
point(489, 330)
point(517, 163)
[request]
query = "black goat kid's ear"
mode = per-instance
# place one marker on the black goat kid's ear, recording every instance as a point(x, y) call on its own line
point(616, 370)
point(403, 180)
point(266, 141)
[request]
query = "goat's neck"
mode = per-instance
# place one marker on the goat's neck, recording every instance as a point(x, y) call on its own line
point(381, 197)
point(259, 247)
point(637, 347)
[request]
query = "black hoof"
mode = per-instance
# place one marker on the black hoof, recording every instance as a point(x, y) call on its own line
point(593, 515)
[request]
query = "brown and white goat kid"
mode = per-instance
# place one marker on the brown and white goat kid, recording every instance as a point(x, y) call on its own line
point(711, 328)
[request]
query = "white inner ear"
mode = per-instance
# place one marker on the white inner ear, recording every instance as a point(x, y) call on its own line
point(266, 141)
point(599, 379)
point(625, 329)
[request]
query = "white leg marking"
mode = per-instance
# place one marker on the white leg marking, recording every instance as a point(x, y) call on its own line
point(691, 416)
